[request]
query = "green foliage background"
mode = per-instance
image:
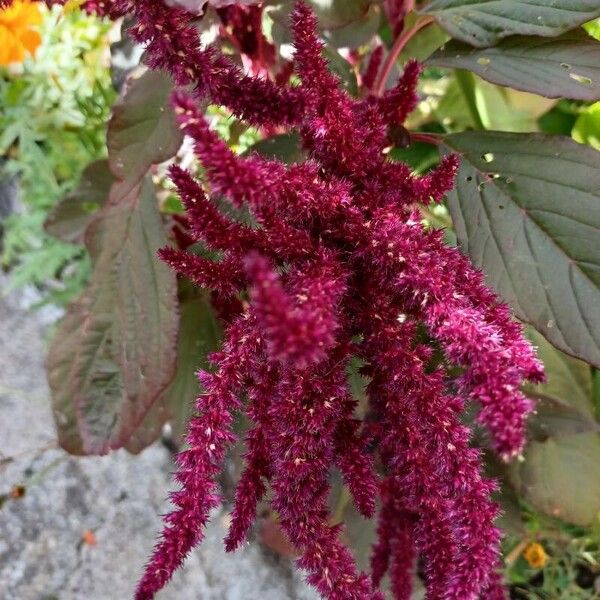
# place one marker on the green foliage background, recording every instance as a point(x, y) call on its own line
point(53, 119)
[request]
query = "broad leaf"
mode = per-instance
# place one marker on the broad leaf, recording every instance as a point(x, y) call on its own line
point(526, 208)
point(472, 103)
point(114, 352)
point(568, 380)
point(555, 418)
point(593, 28)
point(421, 157)
point(560, 477)
point(334, 17)
point(562, 431)
point(221, 3)
point(454, 110)
point(424, 43)
point(332, 14)
point(143, 130)
point(485, 22)
point(587, 126)
point(199, 334)
point(502, 109)
point(563, 67)
point(285, 147)
point(196, 6)
point(358, 32)
point(359, 533)
point(342, 68)
point(510, 519)
point(69, 219)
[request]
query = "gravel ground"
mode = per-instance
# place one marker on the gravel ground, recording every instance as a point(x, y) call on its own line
point(112, 502)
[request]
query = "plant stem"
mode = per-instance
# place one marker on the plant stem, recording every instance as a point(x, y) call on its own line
point(398, 46)
point(426, 138)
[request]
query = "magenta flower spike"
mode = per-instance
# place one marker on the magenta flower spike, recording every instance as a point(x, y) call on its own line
point(338, 266)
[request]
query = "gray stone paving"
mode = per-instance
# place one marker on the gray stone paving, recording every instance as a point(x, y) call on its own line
point(118, 498)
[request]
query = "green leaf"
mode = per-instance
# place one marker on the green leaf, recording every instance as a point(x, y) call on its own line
point(565, 403)
point(113, 353)
point(357, 383)
point(596, 388)
point(555, 418)
point(526, 208)
point(69, 219)
point(339, 13)
point(587, 126)
point(199, 334)
point(503, 109)
point(564, 67)
point(560, 477)
point(510, 519)
point(560, 120)
point(342, 68)
point(593, 28)
point(357, 33)
point(569, 380)
point(424, 43)
point(419, 156)
point(143, 130)
point(471, 102)
point(360, 533)
point(485, 22)
point(468, 86)
point(285, 147)
point(344, 23)
point(562, 431)
point(332, 14)
point(454, 110)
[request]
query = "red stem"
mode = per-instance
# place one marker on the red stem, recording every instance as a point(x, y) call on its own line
point(398, 46)
point(427, 138)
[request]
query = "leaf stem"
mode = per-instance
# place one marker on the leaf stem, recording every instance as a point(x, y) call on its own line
point(398, 46)
point(427, 138)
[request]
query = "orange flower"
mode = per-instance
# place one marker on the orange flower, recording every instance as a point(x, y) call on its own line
point(535, 555)
point(17, 31)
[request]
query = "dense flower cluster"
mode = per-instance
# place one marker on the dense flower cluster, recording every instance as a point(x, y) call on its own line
point(336, 265)
point(340, 265)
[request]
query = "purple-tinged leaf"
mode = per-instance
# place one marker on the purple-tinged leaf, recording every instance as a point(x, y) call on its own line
point(70, 218)
point(526, 208)
point(564, 402)
point(197, 6)
point(143, 130)
point(555, 418)
point(337, 18)
point(568, 380)
point(199, 334)
point(485, 22)
point(114, 352)
point(564, 67)
point(221, 3)
point(560, 477)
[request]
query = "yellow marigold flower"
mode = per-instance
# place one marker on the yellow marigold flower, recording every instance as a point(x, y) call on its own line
point(535, 555)
point(17, 31)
